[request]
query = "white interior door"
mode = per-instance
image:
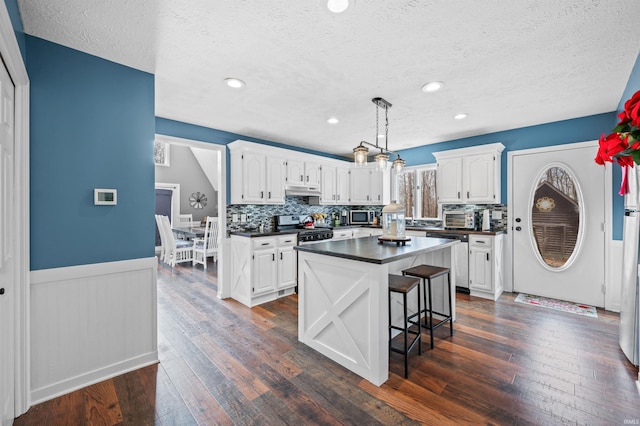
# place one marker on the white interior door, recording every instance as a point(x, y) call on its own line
point(558, 224)
point(7, 247)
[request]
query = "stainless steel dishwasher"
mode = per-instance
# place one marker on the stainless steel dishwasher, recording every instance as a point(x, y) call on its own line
point(461, 267)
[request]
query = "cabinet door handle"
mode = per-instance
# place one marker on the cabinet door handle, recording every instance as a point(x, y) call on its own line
point(307, 178)
point(269, 194)
point(458, 194)
point(273, 257)
point(467, 194)
point(280, 256)
point(487, 257)
point(301, 178)
point(378, 197)
point(338, 197)
point(261, 194)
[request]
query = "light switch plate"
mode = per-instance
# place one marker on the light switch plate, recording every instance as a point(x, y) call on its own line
point(234, 217)
point(496, 214)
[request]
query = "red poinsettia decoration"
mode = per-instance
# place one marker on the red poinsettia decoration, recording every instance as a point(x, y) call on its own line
point(623, 144)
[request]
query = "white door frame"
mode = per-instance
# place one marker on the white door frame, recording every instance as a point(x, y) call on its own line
point(608, 212)
point(223, 263)
point(12, 58)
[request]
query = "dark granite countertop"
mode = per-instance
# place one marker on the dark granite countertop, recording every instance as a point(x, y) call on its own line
point(369, 250)
point(254, 234)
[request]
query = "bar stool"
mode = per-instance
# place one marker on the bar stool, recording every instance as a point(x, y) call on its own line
point(403, 285)
point(427, 273)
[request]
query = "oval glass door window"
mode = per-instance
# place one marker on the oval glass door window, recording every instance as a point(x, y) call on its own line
point(556, 216)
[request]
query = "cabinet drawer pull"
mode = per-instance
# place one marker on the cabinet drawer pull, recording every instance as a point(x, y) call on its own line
point(288, 241)
point(265, 244)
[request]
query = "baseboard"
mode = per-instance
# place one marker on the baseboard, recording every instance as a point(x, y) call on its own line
point(72, 384)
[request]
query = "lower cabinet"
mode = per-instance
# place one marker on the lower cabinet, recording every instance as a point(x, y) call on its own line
point(263, 268)
point(342, 234)
point(366, 232)
point(485, 265)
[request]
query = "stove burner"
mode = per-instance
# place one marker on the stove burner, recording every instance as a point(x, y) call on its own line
point(314, 235)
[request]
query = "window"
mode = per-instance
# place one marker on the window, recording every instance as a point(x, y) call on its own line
point(417, 192)
point(161, 153)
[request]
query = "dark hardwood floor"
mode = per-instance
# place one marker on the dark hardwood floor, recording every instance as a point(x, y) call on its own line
point(222, 363)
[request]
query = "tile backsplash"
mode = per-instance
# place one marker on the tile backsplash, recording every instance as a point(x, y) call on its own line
point(258, 214)
point(263, 213)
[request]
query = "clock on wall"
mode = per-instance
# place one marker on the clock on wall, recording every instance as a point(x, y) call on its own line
point(198, 200)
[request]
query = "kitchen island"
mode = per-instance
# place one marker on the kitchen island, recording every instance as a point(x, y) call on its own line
point(343, 293)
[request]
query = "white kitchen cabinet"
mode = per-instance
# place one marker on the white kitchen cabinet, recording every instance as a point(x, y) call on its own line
point(485, 265)
point(470, 175)
point(286, 257)
point(449, 178)
point(342, 184)
point(367, 186)
point(257, 178)
point(328, 187)
point(276, 180)
point(306, 173)
point(342, 234)
point(335, 185)
point(263, 268)
point(366, 232)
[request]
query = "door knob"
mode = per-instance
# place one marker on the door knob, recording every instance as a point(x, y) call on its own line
point(518, 228)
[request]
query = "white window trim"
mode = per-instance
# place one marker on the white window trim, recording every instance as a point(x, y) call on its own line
point(418, 194)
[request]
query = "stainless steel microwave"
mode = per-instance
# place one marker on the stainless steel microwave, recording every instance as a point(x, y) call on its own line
point(361, 217)
point(459, 219)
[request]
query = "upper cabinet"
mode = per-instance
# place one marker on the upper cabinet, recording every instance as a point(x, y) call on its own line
point(256, 178)
point(470, 175)
point(306, 173)
point(368, 186)
point(261, 173)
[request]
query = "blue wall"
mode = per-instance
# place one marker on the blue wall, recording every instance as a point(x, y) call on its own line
point(92, 126)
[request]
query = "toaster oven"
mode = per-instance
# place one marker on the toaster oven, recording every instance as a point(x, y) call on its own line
point(459, 219)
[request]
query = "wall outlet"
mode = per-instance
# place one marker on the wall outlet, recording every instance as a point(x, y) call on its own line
point(243, 217)
point(234, 217)
point(496, 214)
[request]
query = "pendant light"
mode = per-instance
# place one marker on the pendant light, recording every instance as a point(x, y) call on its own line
point(382, 159)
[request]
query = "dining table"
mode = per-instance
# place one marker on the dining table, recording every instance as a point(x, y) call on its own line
point(189, 232)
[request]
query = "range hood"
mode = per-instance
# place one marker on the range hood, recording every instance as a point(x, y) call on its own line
point(302, 191)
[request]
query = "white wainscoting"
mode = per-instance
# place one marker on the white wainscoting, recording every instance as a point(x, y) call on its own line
point(90, 323)
point(614, 284)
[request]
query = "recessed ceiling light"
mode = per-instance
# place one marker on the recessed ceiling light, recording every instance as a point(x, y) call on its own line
point(338, 6)
point(432, 86)
point(333, 120)
point(460, 116)
point(234, 82)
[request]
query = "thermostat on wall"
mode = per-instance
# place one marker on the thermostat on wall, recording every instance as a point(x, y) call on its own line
point(105, 197)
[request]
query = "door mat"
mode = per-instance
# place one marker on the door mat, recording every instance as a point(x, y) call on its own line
point(558, 305)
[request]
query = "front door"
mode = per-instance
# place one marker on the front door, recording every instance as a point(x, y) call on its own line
point(7, 247)
point(558, 224)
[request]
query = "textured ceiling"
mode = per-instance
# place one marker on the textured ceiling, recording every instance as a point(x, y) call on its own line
point(507, 64)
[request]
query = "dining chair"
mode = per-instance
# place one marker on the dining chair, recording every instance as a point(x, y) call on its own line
point(207, 246)
point(185, 220)
point(163, 239)
point(177, 251)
